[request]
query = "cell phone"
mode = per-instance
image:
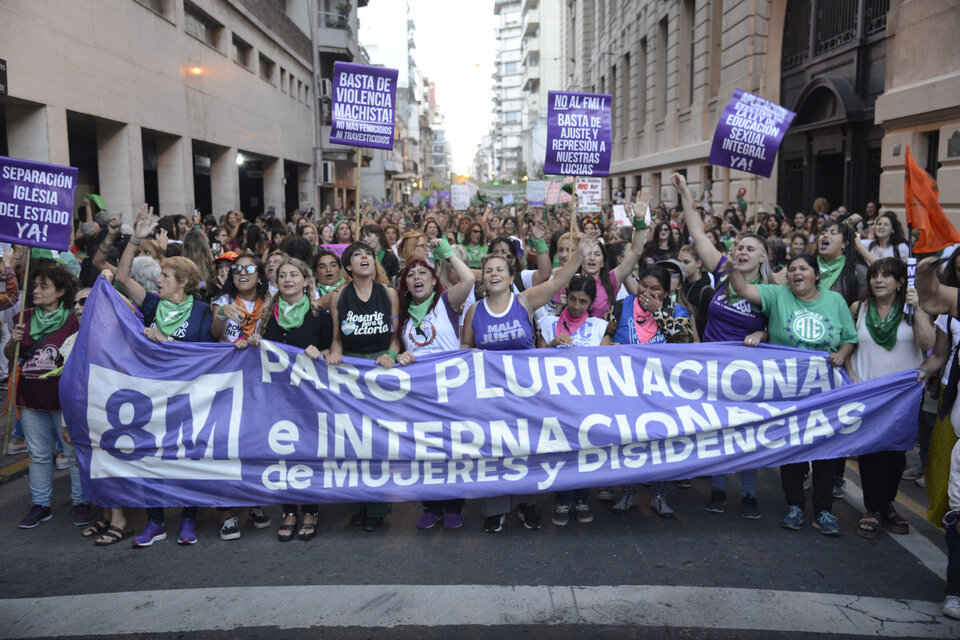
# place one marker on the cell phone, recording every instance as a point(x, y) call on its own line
point(217, 248)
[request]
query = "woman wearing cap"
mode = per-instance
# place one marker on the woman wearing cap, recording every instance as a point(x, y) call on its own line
point(484, 329)
point(730, 318)
point(365, 326)
point(430, 323)
point(293, 317)
point(820, 308)
point(170, 314)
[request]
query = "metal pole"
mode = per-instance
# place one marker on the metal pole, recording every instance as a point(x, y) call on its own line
point(356, 234)
point(573, 211)
point(12, 386)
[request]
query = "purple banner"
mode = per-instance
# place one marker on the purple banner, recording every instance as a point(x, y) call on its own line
point(36, 203)
point(207, 424)
point(364, 100)
point(579, 134)
point(749, 134)
point(338, 249)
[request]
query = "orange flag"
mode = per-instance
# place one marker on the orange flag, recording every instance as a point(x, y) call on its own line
point(924, 212)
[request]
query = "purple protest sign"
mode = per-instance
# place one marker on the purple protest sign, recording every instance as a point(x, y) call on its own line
point(36, 203)
point(749, 134)
point(579, 134)
point(363, 105)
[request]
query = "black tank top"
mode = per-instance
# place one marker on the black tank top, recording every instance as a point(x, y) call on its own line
point(365, 327)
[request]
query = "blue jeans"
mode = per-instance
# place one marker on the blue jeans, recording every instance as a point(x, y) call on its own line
point(748, 483)
point(18, 433)
point(41, 429)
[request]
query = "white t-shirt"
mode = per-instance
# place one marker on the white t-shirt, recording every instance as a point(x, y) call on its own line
point(436, 334)
point(234, 331)
point(589, 334)
point(902, 250)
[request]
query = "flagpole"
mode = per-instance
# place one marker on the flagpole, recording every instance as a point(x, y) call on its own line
point(356, 233)
point(573, 210)
point(12, 386)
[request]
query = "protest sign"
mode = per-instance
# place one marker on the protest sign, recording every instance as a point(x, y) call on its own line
point(555, 194)
point(749, 134)
point(536, 193)
point(364, 100)
point(508, 198)
point(460, 196)
point(208, 424)
point(579, 135)
point(36, 203)
point(620, 217)
point(588, 195)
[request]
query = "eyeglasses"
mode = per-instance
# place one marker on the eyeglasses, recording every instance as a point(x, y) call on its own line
point(248, 269)
point(79, 302)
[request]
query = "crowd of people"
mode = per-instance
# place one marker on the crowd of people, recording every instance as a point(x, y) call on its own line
point(426, 280)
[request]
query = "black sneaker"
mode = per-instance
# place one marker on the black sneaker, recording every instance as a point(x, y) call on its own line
point(718, 502)
point(36, 515)
point(82, 514)
point(259, 519)
point(749, 508)
point(494, 524)
point(530, 516)
point(230, 529)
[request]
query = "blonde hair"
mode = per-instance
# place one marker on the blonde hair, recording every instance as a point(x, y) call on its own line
point(310, 291)
point(408, 244)
point(185, 271)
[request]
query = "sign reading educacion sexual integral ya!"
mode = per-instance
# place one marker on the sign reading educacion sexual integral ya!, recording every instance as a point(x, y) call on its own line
point(364, 100)
point(207, 424)
point(36, 203)
point(749, 134)
point(578, 134)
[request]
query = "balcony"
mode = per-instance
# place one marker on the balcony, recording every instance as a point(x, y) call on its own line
point(530, 44)
point(337, 33)
point(531, 22)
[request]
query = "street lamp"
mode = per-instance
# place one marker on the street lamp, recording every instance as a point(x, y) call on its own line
point(525, 178)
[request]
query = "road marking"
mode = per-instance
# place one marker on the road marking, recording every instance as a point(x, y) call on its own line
point(385, 606)
point(14, 470)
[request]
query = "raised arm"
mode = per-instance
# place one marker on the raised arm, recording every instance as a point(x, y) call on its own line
point(99, 260)
point(743, 288)
point(141, 229)
point(705, 249)
point(543, 293)
point(544, 265)
point(935, 297)
point(631, 257)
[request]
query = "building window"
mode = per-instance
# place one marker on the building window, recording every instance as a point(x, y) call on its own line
point(242, 52)
point(662, 30)
point(510, 68)
point(201, 25)
point(157, 6)
point(836, 24)
point(511, 116)
point(283, 80)
point(267, 68)
point(687, 41)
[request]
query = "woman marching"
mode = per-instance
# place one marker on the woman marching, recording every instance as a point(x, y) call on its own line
point(430, 323)
point(886, 343)
point(295, 317)
point(819, 309)
point(365, 326)
point(481, 330)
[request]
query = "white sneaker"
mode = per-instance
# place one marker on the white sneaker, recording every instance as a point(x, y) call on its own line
point(61, 462)
point(561, 515)
point(951, 607)
point(921, 481)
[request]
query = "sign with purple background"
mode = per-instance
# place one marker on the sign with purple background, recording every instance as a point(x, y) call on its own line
point(36, 203)
point(749, 134)
point(364, 100)
point(207, 424)
point(578, 134)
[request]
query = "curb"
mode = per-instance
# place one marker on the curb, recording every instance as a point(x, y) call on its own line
point(15, 470)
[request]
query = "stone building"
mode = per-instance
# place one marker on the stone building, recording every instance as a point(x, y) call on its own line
point(183, 104)
point(865, 77)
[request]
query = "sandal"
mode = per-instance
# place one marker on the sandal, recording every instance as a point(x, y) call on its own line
point(285, 531)
point(112, 535)
point(308, 531)
point(869, 526)
point(894, 522)
point(96, 528)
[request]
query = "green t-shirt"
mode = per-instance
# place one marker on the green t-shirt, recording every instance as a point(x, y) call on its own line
point(822, 324)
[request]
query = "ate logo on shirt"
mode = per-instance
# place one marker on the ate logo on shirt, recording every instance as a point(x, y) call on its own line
point(810, 328)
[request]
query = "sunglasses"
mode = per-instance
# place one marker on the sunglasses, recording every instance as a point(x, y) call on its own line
point(80, 301)
point(248, 269)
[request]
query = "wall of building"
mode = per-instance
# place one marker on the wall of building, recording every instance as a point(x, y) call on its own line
point(128, 74)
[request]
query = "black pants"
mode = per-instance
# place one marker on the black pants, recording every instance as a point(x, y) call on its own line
point(438, 507)
point(880, 475)
point(308, 509)
point(155, 514)
point(791, 479)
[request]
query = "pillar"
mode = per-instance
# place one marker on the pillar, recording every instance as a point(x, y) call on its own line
point(224, 180)
point(120, 165)
point(175, 175)
point(273, 195)
point(38, 133)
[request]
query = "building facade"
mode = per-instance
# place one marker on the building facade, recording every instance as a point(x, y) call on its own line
point(540, 60)
point(508, 100)
point(863, 76)
point(183, 104)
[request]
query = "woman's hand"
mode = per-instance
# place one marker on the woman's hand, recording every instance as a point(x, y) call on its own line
point(152, 333)
point(562, 340)
point(912, 298)
point(113, 229)
point(144, 223)
point(232, 312)
point(836, 359)
point(312, 352)
point(755, 338)
point(65, 435)
point(650, 303)
point(16, 334)
point(406, 358)
point(162, 240)
point(241, 344)
point(385, 361)
point(538, 230)
point(107, 275)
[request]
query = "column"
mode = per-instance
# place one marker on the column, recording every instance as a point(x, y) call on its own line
point(175, 175)
point(224, 180)
point(273, 186)
point(120, 165)
point(38, 133)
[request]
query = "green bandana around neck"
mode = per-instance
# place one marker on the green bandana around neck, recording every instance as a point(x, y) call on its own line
point(830, 271)
point(732, 297)
point(419, 311)
point(290, 316)
point(171, 315)
point(327, 288)
point(884, 330)
point(380, 254)
point(43, 322)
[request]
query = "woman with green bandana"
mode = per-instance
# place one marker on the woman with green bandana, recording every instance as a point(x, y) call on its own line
point(475, 244)
point(374, 236)
point(46, 326)
point(328, 274)
point(365, 326)
point(172, 313)
point(886, 343)
point(430, 323)
point(804, 316)
point(295, 317)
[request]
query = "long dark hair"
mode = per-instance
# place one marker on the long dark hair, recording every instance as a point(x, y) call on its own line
point(583, 284)
point(515, 251)
point(406, 298)
point(263, 285)
point(896, 235)
point(848, 277)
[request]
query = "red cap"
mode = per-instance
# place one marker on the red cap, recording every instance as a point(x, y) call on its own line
point(227, 255)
